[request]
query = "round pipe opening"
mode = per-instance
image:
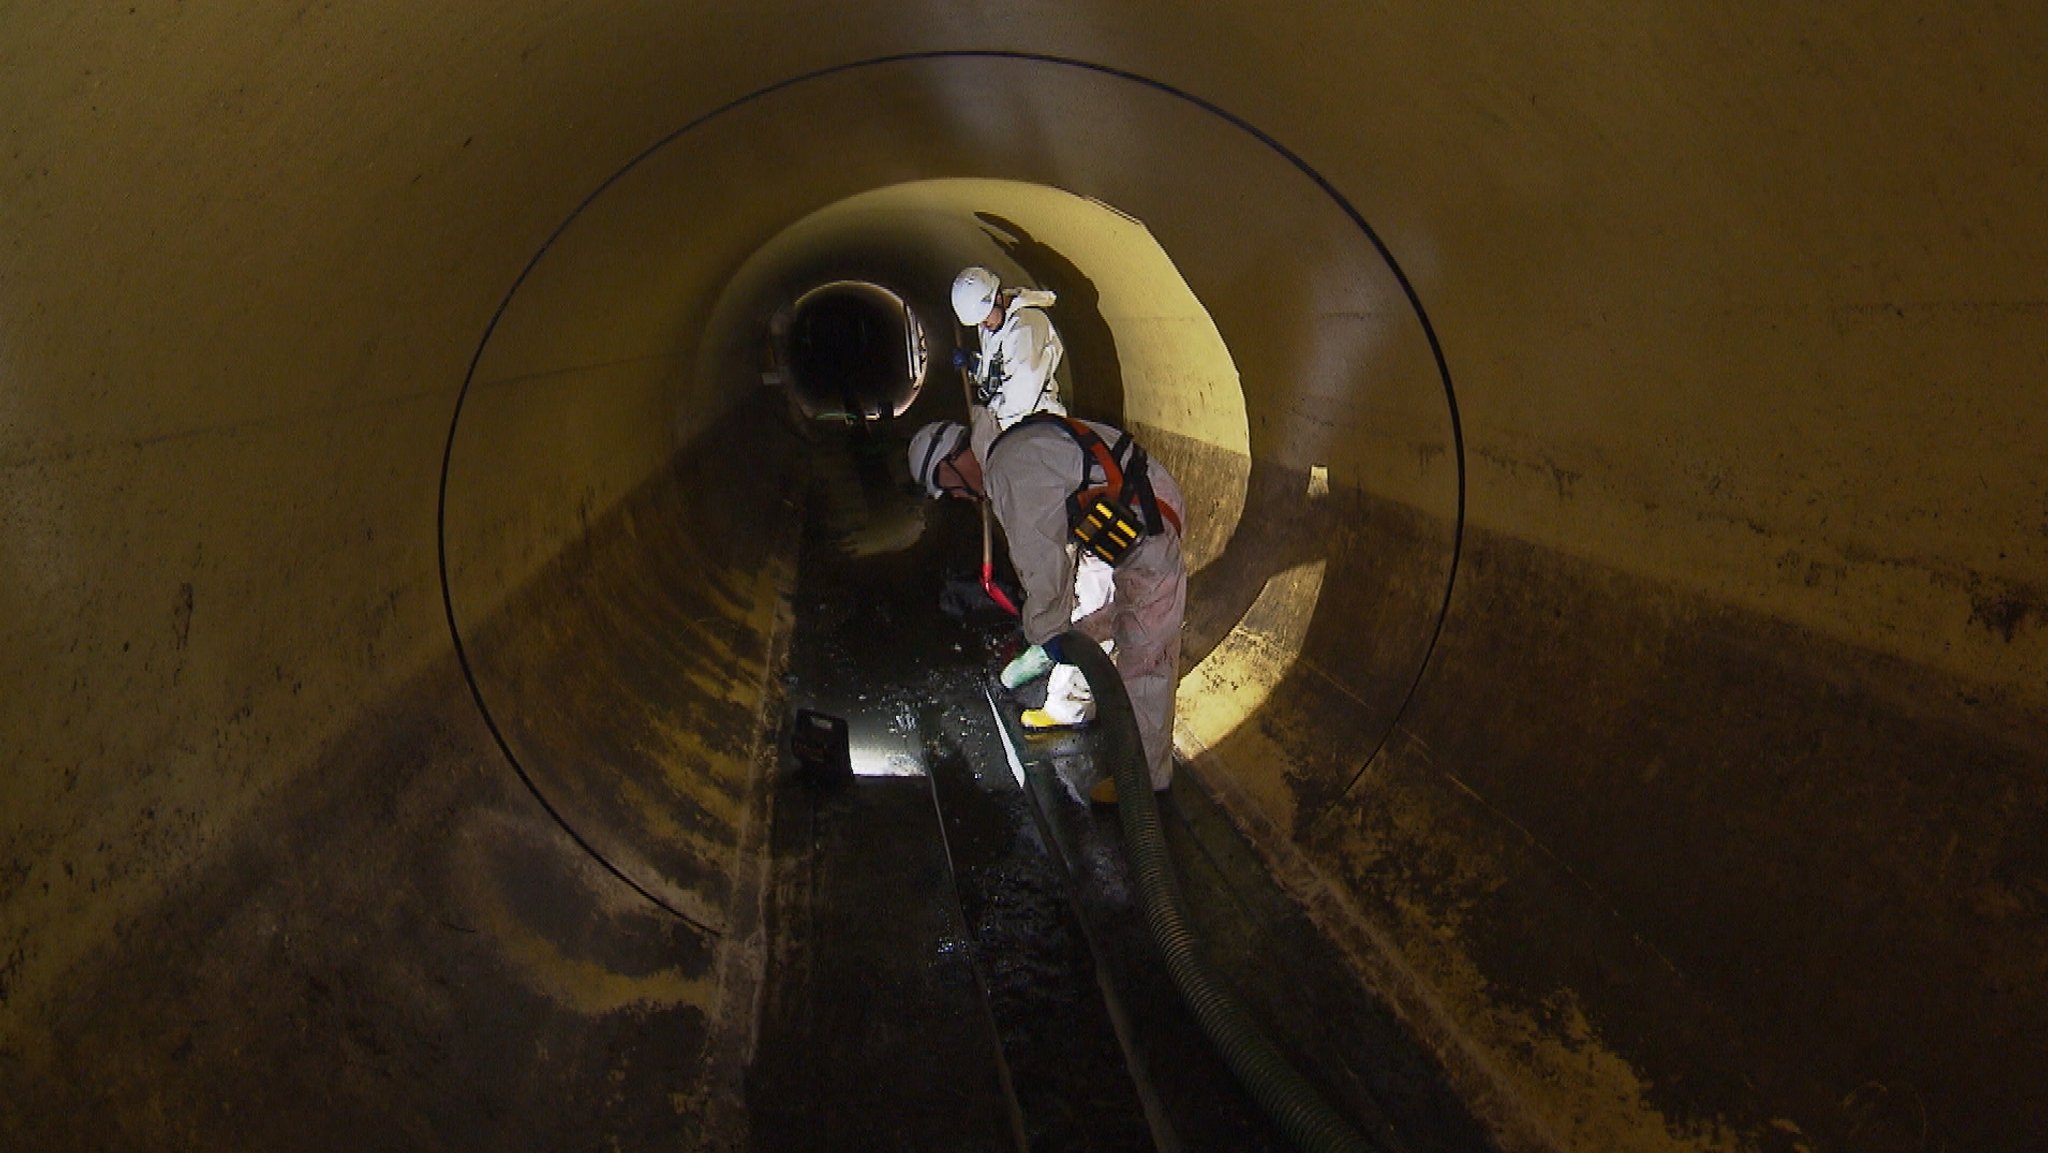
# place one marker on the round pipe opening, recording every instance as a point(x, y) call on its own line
point(849, 350)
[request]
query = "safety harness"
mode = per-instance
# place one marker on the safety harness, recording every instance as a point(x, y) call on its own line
point(1108, 518)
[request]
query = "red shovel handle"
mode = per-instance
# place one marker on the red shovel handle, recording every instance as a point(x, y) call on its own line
point(988, 566)
point(988, 585)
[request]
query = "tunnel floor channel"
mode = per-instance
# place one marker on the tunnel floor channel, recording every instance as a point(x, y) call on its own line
point(956, 958)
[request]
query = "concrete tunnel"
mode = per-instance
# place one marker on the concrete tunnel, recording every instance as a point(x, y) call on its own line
point(1617, 612)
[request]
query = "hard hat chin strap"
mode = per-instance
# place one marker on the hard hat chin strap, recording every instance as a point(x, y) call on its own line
point(934, 456)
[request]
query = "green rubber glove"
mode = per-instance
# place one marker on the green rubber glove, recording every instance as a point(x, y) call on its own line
point(1030, 665)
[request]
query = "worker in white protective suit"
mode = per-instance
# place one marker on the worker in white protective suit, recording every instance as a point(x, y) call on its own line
point(1013, 372)
point(1013, 376)
point(1032, 471)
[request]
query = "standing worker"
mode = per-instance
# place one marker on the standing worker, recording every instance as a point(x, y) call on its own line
point(1060, 488)
point(1013, 371)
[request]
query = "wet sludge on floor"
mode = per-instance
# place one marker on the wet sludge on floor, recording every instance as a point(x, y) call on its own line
point(957, 960)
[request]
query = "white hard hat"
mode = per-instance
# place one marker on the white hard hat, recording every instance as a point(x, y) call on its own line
point(974, 294)
point(930, 445)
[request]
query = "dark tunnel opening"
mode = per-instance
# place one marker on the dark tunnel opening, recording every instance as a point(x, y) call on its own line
point(851, 351)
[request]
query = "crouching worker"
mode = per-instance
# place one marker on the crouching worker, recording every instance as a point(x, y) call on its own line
point(1059, 486)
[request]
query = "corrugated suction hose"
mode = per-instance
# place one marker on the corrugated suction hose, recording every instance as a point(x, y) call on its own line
point(1293, 1104)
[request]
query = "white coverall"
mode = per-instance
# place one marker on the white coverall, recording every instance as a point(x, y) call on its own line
point(1029, 477)
point(1014, 377)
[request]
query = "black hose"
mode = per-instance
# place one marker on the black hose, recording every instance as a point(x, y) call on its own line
point(1293, 1104)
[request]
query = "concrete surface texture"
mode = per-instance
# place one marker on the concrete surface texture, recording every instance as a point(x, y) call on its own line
point(1629, 635)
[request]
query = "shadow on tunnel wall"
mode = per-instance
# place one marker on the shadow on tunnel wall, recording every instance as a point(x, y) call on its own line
point(626, 681)
point(1706, 864)
point(402, 948)
point(411, 946)
point(1091, 359)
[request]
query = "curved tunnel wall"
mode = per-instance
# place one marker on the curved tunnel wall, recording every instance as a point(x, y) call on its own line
point(1729, 760)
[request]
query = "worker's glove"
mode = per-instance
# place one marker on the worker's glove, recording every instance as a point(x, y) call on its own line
point(968, 360)
point(1030, 665)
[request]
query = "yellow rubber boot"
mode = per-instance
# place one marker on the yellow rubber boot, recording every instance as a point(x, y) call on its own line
point(1040, 721)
